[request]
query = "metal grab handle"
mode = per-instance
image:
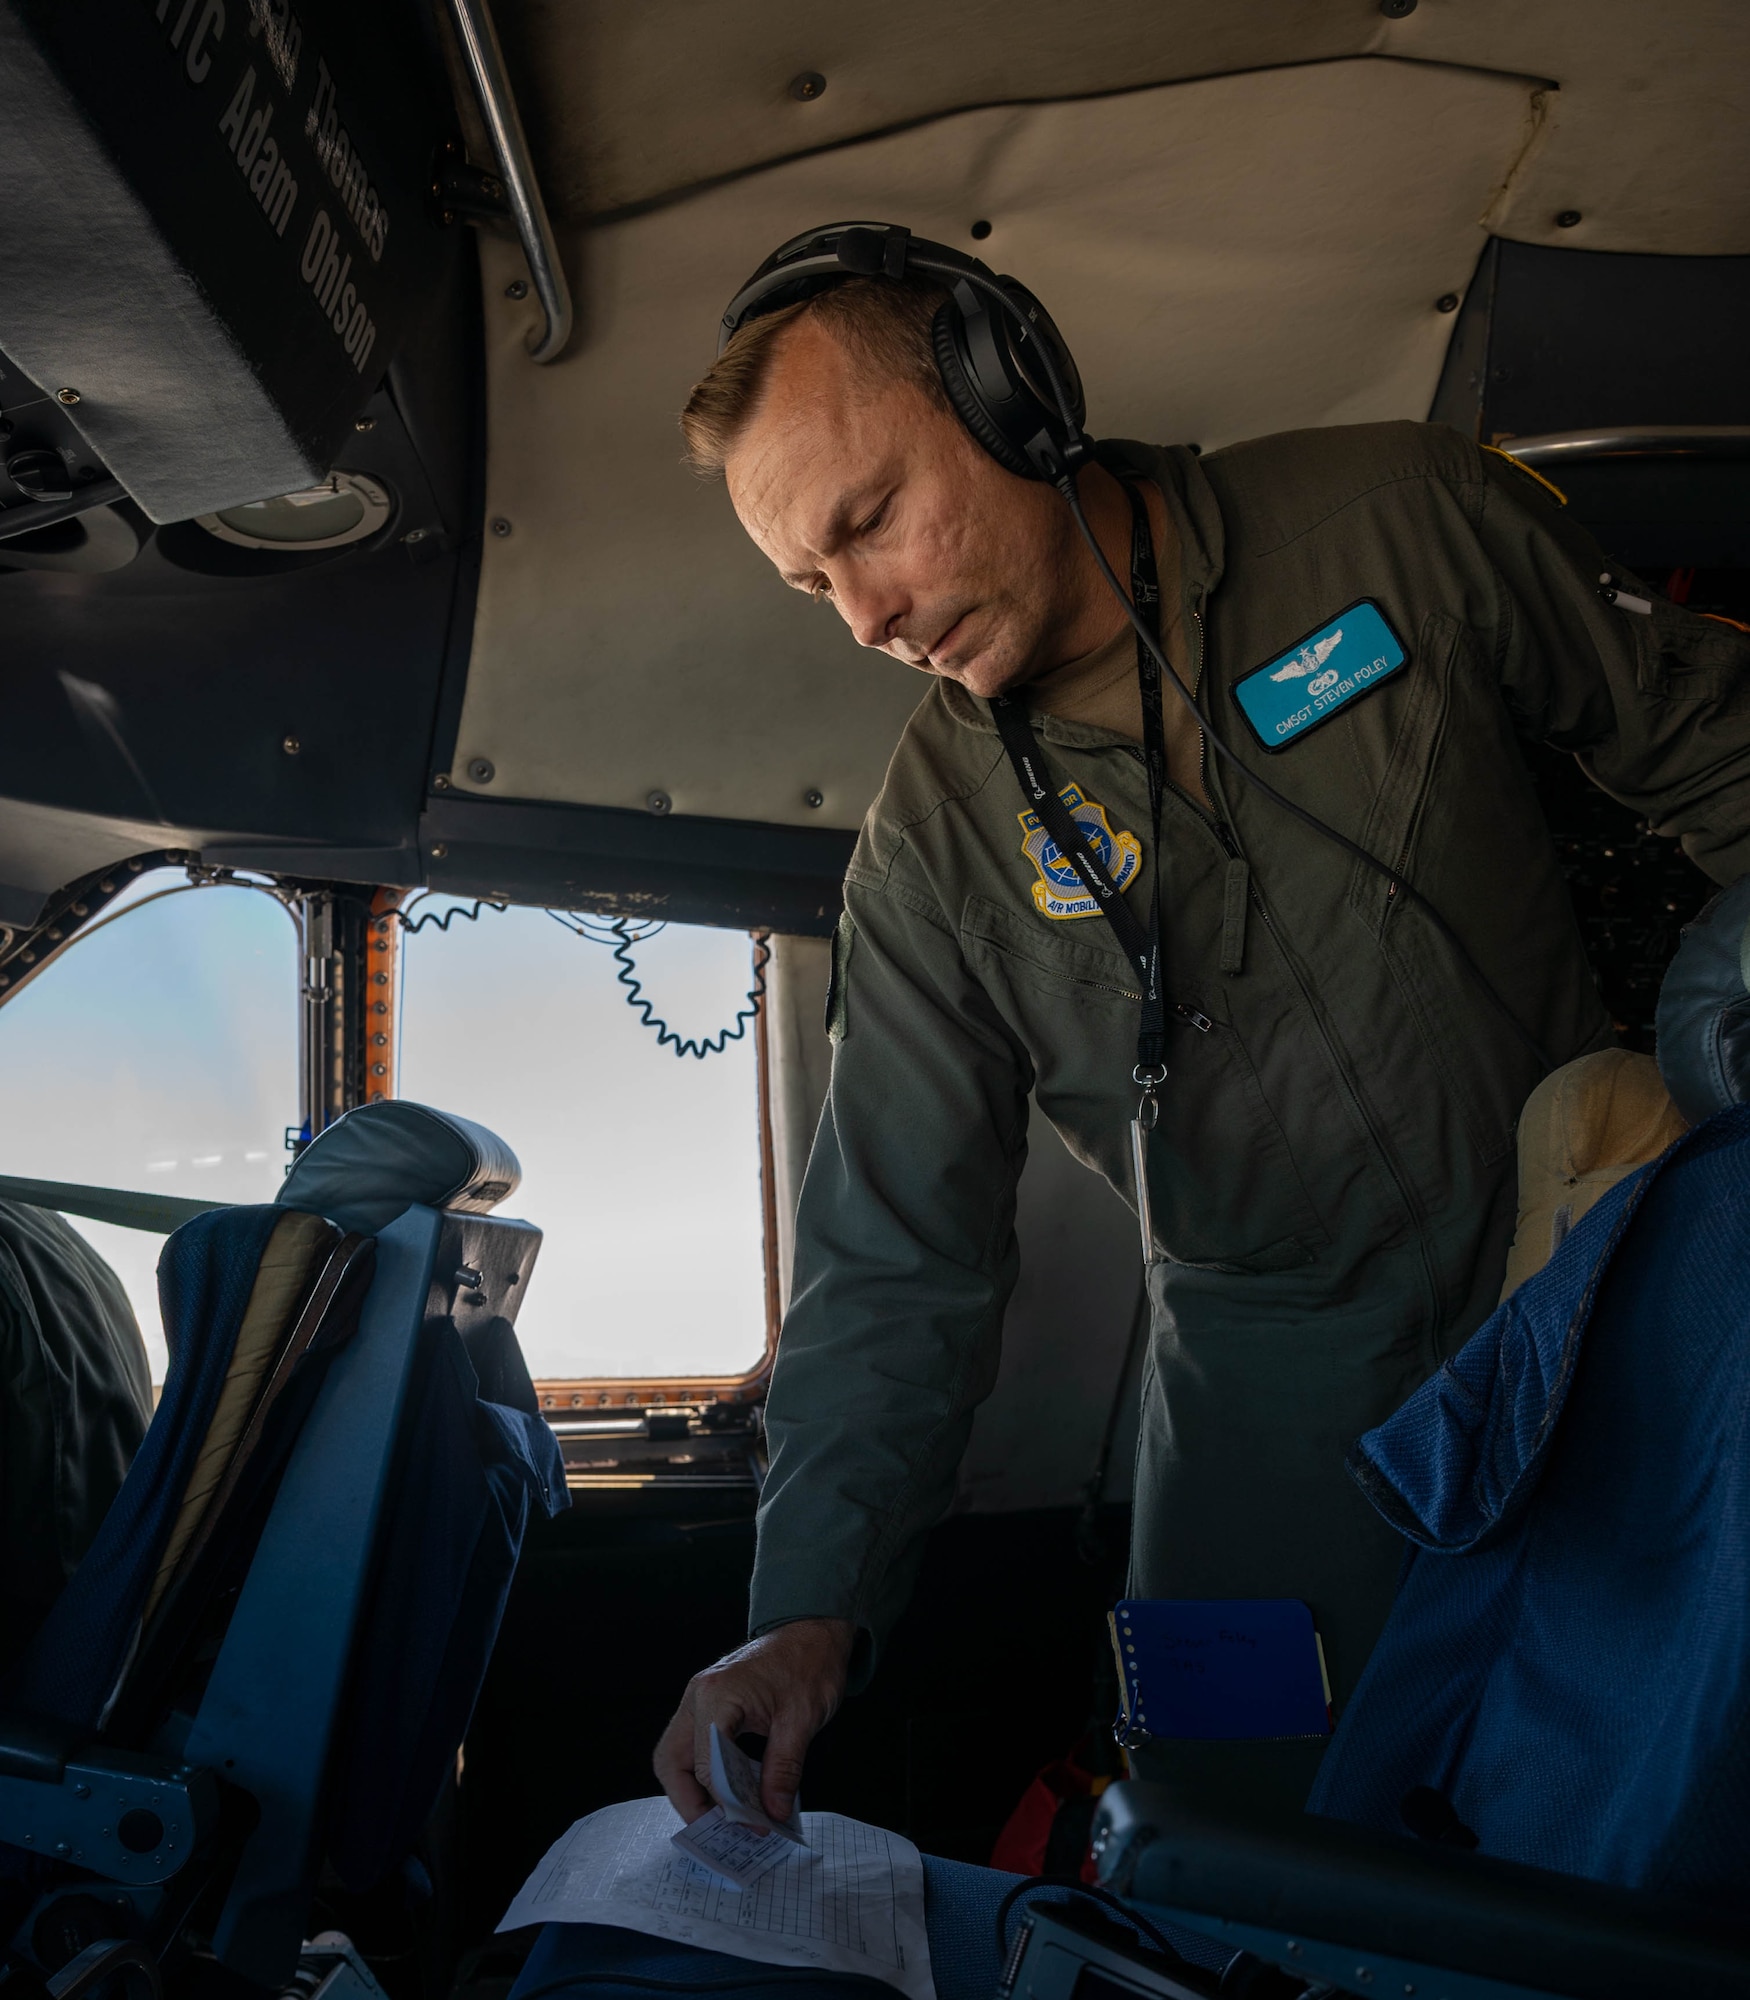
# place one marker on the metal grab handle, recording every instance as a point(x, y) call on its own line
point(485, 59)
point(1632, 441)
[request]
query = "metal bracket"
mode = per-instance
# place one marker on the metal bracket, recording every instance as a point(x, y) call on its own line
point(131, 1819)
point(462, 191)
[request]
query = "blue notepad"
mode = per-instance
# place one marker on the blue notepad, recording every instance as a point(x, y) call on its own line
point(1219, 1668)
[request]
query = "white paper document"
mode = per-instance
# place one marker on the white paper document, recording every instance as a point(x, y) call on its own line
point(851, 1900)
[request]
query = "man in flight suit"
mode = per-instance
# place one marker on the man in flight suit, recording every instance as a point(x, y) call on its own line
point(1332, 1171)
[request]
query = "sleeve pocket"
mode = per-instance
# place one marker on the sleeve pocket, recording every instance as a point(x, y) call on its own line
point(844, 939)
point(1688, 656)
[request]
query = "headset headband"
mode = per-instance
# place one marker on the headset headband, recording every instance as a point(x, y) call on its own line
point(821, 258)
point(1003, 363)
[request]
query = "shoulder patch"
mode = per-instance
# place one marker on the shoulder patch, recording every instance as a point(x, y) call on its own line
point(1349, 655)
point(1060, 893)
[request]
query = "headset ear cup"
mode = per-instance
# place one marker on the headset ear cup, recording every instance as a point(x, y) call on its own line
point(965, 398)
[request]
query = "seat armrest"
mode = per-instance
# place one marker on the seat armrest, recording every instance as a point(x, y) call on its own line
point(35, 1750)
point(1318, 1884)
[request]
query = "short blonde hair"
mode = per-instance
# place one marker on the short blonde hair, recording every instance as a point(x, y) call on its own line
point(885, 325)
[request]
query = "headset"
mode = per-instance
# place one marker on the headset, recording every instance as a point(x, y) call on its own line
point(1014, 384)
point(1008, 374)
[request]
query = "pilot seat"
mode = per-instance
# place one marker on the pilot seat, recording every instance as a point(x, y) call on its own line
point(266, 1662)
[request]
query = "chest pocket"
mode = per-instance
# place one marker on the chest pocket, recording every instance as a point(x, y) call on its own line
point(1226, 1192)
point(1452, 701)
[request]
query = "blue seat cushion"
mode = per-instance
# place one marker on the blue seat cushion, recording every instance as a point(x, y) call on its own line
point(1568, 1659)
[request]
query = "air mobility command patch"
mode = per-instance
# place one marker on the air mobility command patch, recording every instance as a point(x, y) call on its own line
point(1305, 686)
point(1059, 891)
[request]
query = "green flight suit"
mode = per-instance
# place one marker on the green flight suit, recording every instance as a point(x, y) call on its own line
point(1333, 1172)
point(75, 1400)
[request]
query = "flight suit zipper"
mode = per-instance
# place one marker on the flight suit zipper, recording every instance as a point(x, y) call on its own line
point(1412, 1208)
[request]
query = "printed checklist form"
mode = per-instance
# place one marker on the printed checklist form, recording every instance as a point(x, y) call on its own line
point(851, 1900)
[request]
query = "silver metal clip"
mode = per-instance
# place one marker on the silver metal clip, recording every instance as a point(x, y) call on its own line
point(1148, 1112)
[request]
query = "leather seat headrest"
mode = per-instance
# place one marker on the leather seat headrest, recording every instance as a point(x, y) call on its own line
point(376, 1161)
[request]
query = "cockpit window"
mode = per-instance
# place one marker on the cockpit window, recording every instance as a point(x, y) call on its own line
point(159, 1052)
point(643, 1166)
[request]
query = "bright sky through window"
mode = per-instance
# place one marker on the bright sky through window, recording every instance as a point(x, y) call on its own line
point(642, 1169)
point(159, 1053)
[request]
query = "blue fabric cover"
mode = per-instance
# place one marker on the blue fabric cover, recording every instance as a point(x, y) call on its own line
point(205, 1276)
point(1568, 1659)
point(960, 1909)
point(375, 1161)
point(1703, 1021)
point(475, 1456)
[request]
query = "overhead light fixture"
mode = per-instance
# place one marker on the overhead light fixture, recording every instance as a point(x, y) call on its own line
point(346, 507)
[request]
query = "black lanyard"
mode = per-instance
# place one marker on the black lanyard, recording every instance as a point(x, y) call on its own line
point(1141, 946)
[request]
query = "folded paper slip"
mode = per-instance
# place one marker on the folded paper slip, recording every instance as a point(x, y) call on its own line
point(740, 1853)
point(1219, 1669)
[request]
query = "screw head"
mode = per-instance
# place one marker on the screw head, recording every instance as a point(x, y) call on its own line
point(482, 770)
point(660, 802)
point(364, 423)
point(67, 396)
point(1395, 10)
point(808, 86)
point(518, 288)
point(441, 782)
point(416, 534)
point(500, 526)
point(1446, 303)
point(812, 797)
point(290, 745)
point(1567, 218)
point(438, 850)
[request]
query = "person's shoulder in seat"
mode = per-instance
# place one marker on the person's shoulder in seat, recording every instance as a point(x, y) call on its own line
point(1274, 488)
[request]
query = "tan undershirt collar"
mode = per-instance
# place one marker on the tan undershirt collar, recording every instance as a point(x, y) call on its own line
point(1100, 689)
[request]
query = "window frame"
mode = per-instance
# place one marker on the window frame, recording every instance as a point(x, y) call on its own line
point(28, 951)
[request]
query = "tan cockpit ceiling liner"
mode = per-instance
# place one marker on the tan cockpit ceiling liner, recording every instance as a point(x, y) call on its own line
point(1227, 257)
point(629, 105)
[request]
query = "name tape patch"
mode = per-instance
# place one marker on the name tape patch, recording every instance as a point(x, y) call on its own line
point(1305, 686)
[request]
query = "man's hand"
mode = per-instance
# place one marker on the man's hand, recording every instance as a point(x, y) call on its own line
point(783, 1686)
